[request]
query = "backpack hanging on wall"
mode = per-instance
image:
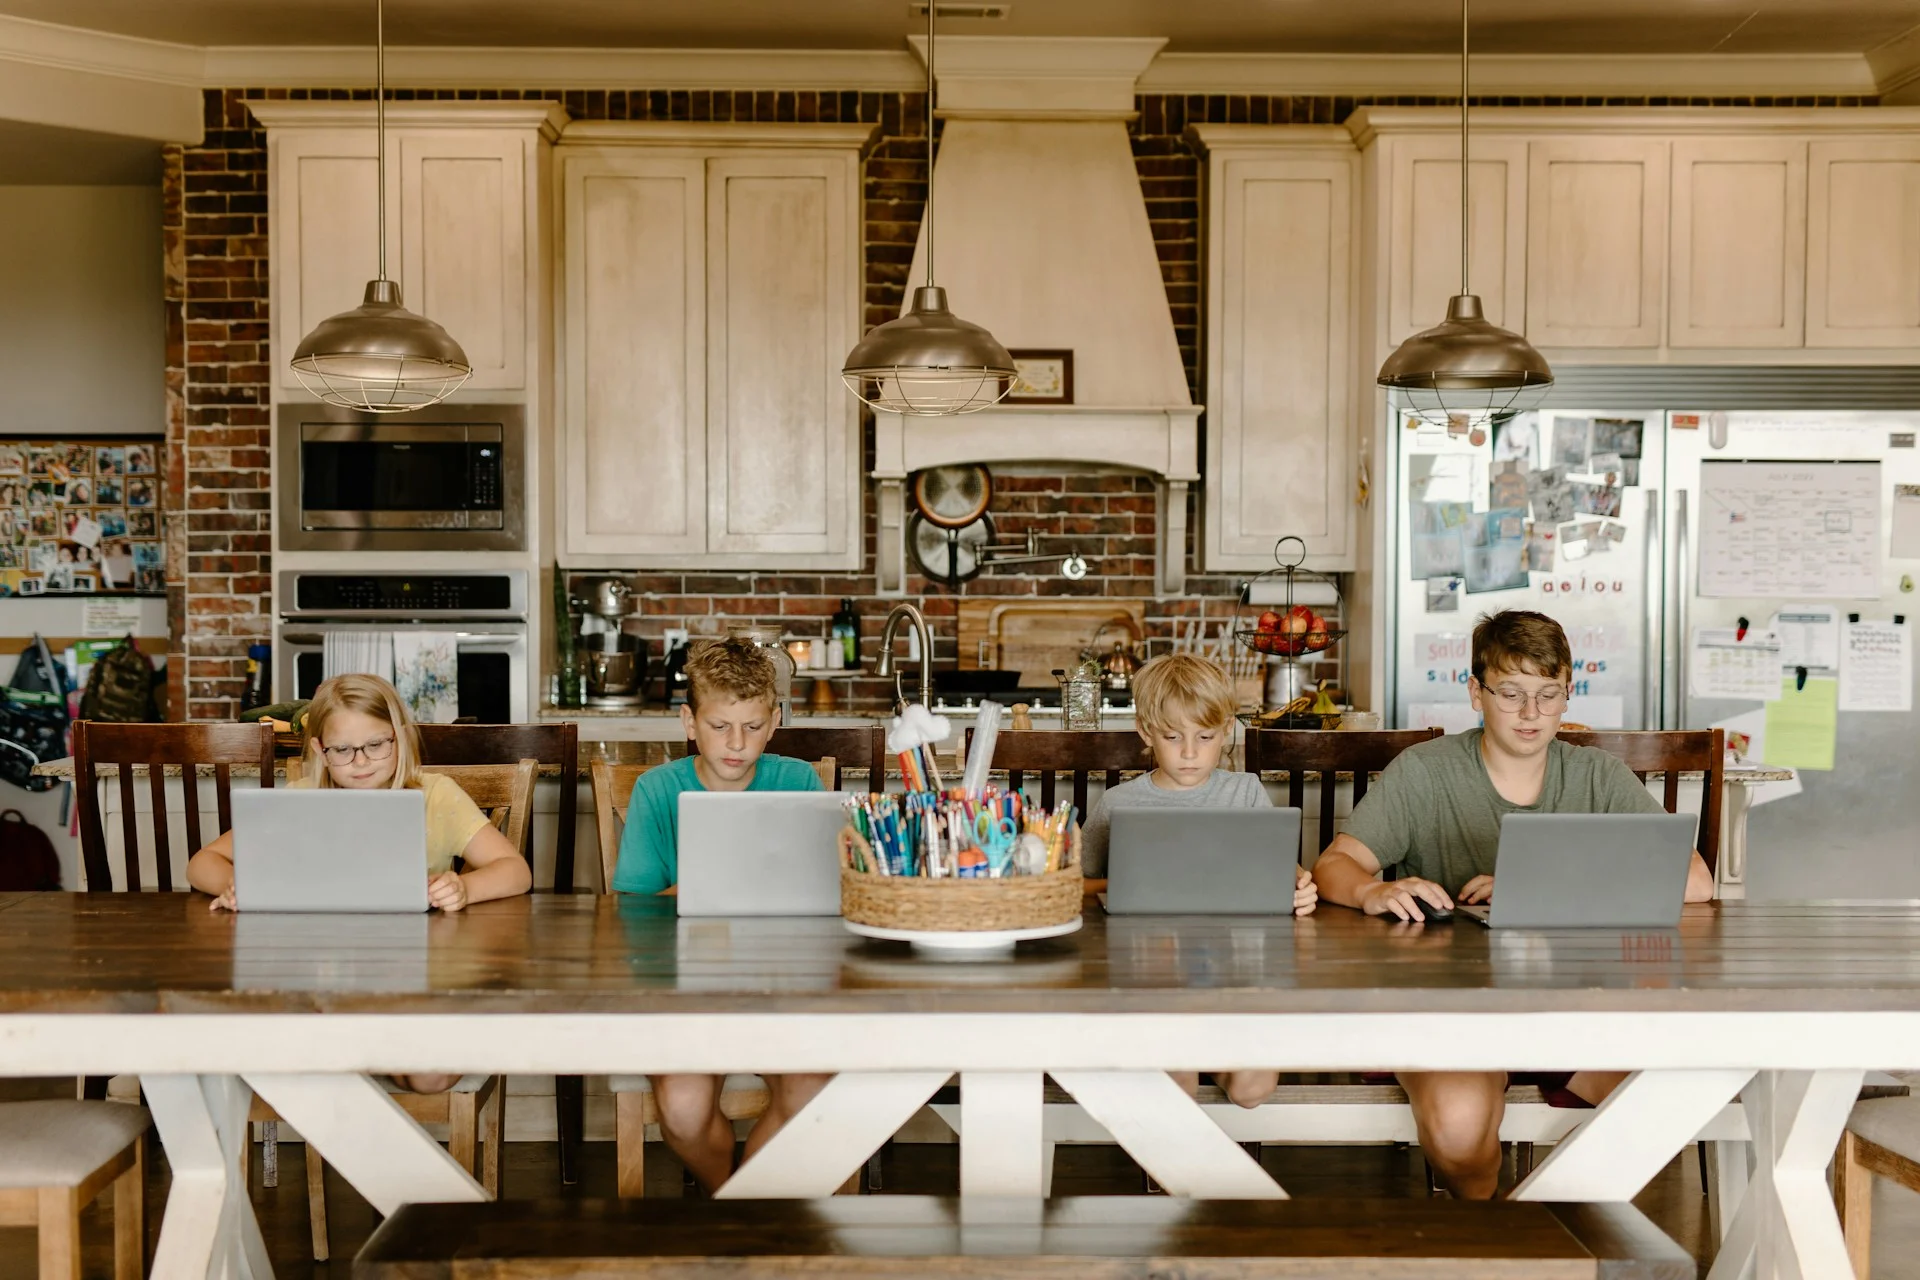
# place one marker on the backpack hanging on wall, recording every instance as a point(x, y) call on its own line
point(120, 687)
point(27, 860)
point(33, 717)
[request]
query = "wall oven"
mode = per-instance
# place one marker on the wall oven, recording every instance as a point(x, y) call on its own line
point(447, 478)
point(485, 612)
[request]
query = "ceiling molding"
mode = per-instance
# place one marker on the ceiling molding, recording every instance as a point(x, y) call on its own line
point(1360, 75)
point(102, 53)
point(75, 79)
point(351, 67)
point(1037, 76)
point(546, 118)
point(1896, 66)
point(1369, 123)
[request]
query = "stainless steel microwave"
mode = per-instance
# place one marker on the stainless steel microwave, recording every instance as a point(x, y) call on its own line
point(445, 478)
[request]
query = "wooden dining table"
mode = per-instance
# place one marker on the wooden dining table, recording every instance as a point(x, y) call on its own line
point(1783, 1006)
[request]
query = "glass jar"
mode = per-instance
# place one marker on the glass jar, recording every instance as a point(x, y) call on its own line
point(1080, 702)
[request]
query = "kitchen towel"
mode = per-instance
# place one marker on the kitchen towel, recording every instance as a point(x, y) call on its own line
point(369, 652)
point(426, 671)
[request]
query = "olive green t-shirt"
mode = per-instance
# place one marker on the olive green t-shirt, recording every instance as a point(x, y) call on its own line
point(1434, 812)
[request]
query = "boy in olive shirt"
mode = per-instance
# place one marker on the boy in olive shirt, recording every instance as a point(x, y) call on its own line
point(1435, 814)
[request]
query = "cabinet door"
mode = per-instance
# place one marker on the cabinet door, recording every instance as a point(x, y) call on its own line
point(782, 430)
point(463, 256)
point(1596, 241)
point(1863, 233)
point(634, 424)
point(1424, 270)
point(324, 238)
point(1739, 235)
point(1279, 404)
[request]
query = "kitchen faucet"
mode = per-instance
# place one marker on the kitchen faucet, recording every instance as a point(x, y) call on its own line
point(885, 667)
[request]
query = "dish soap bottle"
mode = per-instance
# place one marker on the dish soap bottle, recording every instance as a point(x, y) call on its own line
point(845, 632)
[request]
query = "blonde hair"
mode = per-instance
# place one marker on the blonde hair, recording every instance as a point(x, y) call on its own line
point(1182, 687)
point(370, 696)
point(734, 667)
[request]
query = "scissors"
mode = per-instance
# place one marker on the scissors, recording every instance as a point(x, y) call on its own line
point(996, 835)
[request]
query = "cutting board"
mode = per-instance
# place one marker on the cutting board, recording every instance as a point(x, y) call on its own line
point(1034, 636)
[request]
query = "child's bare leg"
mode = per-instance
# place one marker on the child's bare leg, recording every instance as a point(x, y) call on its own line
point(1251, 1088)
point(787, 1095)
point(435, 1083)
point(694, 1129)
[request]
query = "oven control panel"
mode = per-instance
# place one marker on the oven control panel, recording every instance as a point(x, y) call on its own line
point(405, 596)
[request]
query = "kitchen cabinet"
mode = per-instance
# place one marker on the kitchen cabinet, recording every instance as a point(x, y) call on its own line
point(1280, 349)
point(1424, 245)
point(1739, 242)
point(711, 290)
point(1596, 241)
point(464, 200)
point(1863, 235)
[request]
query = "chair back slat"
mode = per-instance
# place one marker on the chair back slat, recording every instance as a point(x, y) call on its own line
point(1328, 753)
point(612, 792)
point(1078, 753)
point(554, 746)
point(153, 748)
point(1671, 753)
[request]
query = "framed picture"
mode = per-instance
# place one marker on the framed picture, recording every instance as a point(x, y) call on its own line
point(30, 587)
point(1044, 377)
point(71, 508)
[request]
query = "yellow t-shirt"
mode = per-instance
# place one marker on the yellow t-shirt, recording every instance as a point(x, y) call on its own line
point(453, 819)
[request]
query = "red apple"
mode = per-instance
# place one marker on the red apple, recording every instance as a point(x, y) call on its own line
point(1269, 622)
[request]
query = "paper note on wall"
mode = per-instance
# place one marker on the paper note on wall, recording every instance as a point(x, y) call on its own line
point(1809, 635)
point(1796, 529)
point(109, 616)
point(1722, 665)
point(1904, 544)
point(1802, 724)
point(1876, 667)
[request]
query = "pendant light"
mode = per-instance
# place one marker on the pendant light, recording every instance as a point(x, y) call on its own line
point(380, 357)
point(929, 363)
point(1465, 370)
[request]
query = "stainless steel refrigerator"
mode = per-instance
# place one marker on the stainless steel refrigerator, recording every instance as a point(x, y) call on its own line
point(1646, 529)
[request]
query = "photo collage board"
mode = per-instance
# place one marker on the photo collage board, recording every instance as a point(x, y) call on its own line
point(81, 515)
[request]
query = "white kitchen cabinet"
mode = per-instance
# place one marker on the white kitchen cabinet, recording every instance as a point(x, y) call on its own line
point(1424, 267)
point(1863, 236)
point(1739, 242)
point(463, 208)
point(1596, 241)
point(1280, 373)
point(711, 278)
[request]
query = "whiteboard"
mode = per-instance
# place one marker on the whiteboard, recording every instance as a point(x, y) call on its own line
point(1800, 529)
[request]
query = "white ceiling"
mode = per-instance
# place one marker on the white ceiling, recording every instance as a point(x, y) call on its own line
point(1191, 26)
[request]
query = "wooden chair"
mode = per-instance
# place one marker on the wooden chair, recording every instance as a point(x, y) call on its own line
point(1077, 753)
point(849, 746)
point(1882, 1138)
point(56, 1157)
point(504, 792)
point(742, 1097)
point(155, 748)
point(1702, 751)
point(1328, 753)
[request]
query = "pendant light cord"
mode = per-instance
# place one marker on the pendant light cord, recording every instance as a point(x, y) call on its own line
point(1466, 238)
point(929, 213)
point(380, 119)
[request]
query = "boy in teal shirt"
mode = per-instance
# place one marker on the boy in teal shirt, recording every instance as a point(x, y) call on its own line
point(730, 715)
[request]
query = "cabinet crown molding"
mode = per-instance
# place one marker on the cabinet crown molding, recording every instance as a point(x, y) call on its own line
point(548, 118)
point(1369, 123)
point(667, 133)
point(1269, 139)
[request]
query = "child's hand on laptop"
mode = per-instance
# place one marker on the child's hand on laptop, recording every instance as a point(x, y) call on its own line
point(1401, 898)
point(447, 891)
point(1479, 889)
point(1306, 894)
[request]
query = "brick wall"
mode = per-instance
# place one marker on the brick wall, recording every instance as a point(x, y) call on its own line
point(218, 394)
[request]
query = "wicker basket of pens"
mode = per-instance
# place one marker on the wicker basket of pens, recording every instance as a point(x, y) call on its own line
point(956, 887)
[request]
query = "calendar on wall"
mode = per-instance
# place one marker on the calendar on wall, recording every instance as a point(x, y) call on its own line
point(80, 515)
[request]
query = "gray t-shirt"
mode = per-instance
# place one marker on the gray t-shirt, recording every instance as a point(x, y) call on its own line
point(1434, 812)
point(1222, 790)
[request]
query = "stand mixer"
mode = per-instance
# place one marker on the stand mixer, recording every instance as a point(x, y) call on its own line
point(614, 658)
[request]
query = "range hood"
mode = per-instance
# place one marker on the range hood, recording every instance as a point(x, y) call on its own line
point(1042, 236)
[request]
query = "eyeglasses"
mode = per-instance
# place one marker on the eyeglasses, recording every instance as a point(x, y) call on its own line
point(377, 750)
point(1548, 701)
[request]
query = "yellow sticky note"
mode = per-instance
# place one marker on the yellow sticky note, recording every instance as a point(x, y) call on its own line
point(1802, 724)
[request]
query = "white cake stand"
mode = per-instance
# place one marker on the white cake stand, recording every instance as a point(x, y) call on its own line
point(963, 944)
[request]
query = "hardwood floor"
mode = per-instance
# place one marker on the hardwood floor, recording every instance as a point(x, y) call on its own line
point(1673, 1200)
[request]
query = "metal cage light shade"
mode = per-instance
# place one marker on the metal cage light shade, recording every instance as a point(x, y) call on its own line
point(1466, 369)
point(380, 357)
point(929, 363)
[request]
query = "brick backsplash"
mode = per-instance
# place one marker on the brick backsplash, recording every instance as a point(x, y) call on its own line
point(218, 395)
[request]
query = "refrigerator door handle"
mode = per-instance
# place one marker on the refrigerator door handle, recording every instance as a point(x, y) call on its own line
point(1650, 612)
point(1683, 604)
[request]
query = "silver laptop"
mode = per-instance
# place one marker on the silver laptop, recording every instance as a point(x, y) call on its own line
point(760, 853)
point(330, 850)
point(1599, 870)
point(1230, 862)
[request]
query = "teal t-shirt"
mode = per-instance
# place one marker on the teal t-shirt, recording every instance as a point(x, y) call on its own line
point(650, 845)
